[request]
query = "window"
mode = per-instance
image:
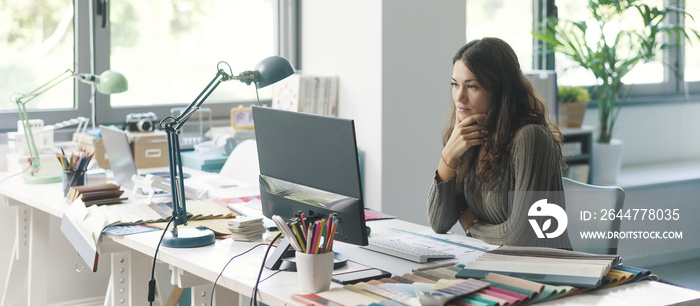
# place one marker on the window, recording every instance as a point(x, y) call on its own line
point(36, 46)
point(167, 49)
point(652, 78)
point(486, 18)
point(170, 49)
point(513, 21)
point(692, 51)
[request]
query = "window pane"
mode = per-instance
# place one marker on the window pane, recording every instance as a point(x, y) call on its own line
point(692, 50)
point(169, 49)
point(36, 45)
point(507, 20)
point(568, 73)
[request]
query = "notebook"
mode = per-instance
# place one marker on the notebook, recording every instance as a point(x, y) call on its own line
point(120, 158)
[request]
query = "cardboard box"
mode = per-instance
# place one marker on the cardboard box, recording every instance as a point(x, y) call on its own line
point(93, 144)
point(150, 149)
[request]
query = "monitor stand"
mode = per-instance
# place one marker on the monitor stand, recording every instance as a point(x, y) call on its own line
point(278, 260)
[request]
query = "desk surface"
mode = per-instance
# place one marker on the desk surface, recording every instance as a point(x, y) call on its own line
point(207, 262)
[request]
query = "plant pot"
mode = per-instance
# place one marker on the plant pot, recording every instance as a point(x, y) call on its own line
point(606, 162)
point(571, 114)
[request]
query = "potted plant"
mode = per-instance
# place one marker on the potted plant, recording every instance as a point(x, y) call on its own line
point(610, 51)
point(573, 101)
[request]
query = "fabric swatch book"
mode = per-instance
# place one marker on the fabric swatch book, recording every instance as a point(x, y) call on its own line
point(544, 265)
point(96, 194)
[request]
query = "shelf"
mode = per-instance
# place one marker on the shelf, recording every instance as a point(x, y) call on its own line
point(578, 142)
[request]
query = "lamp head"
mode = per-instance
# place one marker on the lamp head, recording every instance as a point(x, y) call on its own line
point(269, 71)
point(109, 82)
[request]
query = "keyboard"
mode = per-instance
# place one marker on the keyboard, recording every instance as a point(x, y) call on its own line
point(405, 250)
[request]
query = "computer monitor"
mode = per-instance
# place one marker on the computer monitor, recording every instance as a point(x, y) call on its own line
point(545, 84)
point(309, 163)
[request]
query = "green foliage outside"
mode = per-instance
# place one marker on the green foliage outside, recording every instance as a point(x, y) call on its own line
point(569, 94)
point(624, 33)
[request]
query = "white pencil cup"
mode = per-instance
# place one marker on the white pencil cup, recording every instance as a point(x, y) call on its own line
point(314, 271)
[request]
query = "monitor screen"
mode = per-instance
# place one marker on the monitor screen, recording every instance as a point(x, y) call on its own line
point(309, 163)
point(545, 84)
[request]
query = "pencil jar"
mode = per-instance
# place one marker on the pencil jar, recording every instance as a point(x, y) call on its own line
point(72, 178)
point(314, 271)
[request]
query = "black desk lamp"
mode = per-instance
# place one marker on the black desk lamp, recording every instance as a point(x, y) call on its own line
point(267, 72)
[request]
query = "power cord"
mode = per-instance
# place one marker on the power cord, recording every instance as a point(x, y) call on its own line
point(18, 173)
point(213, 287)
point(152, 281)
point(254, 296)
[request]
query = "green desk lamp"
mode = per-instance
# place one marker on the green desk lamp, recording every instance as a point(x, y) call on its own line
point(267, 72)
point(108, 82)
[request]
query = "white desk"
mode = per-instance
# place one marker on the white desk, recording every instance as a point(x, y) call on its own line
point(129, 260)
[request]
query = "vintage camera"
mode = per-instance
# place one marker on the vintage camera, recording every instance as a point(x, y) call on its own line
point(142, 122)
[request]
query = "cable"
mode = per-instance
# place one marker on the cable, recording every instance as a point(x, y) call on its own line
point(273, 274)
point(152, 281)
point(254, 297)
point(16, 174)
point(213, 287)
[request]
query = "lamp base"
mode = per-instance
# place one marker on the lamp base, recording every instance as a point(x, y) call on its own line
point(189, 238)
point(42, 178)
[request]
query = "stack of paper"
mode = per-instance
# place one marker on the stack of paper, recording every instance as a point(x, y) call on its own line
point(246, 228)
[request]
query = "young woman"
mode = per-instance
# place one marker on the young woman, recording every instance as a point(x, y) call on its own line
point(500, 154)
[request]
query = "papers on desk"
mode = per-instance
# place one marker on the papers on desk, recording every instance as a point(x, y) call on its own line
point(137, 213)
point(83, 227)
point(464, 248)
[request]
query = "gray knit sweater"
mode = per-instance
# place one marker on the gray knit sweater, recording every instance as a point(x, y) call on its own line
point(533, 165)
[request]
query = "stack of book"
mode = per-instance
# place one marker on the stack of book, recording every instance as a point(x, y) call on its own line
point(96, 194)
point(246, 228)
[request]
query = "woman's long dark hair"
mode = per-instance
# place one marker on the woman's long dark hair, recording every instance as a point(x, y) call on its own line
point(513, 105)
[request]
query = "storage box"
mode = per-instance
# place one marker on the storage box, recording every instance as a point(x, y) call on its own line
point(207, 161)
point(150, 149)
point(93, 144)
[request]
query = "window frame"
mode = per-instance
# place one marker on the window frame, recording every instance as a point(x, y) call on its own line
point(672, 89)
point(286, 43)
point(287, 25)
point(81, 107)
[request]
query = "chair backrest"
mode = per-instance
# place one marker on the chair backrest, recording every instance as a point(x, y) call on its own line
point(593, 198)
point(242, 165)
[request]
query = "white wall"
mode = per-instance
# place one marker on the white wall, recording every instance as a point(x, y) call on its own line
point(656, 133)
point(344, 38)
point(420, 39)
point(393, 58)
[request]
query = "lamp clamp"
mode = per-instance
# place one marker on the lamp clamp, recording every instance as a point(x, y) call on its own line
point(247, 77)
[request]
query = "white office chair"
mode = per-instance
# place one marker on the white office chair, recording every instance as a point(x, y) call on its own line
point(593, 198)
point(241, 167)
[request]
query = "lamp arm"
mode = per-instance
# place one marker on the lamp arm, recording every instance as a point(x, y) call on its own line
point(22, 100)
point(34, 159)
point(25, 98)
point(220, 76)
point(172, 126)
